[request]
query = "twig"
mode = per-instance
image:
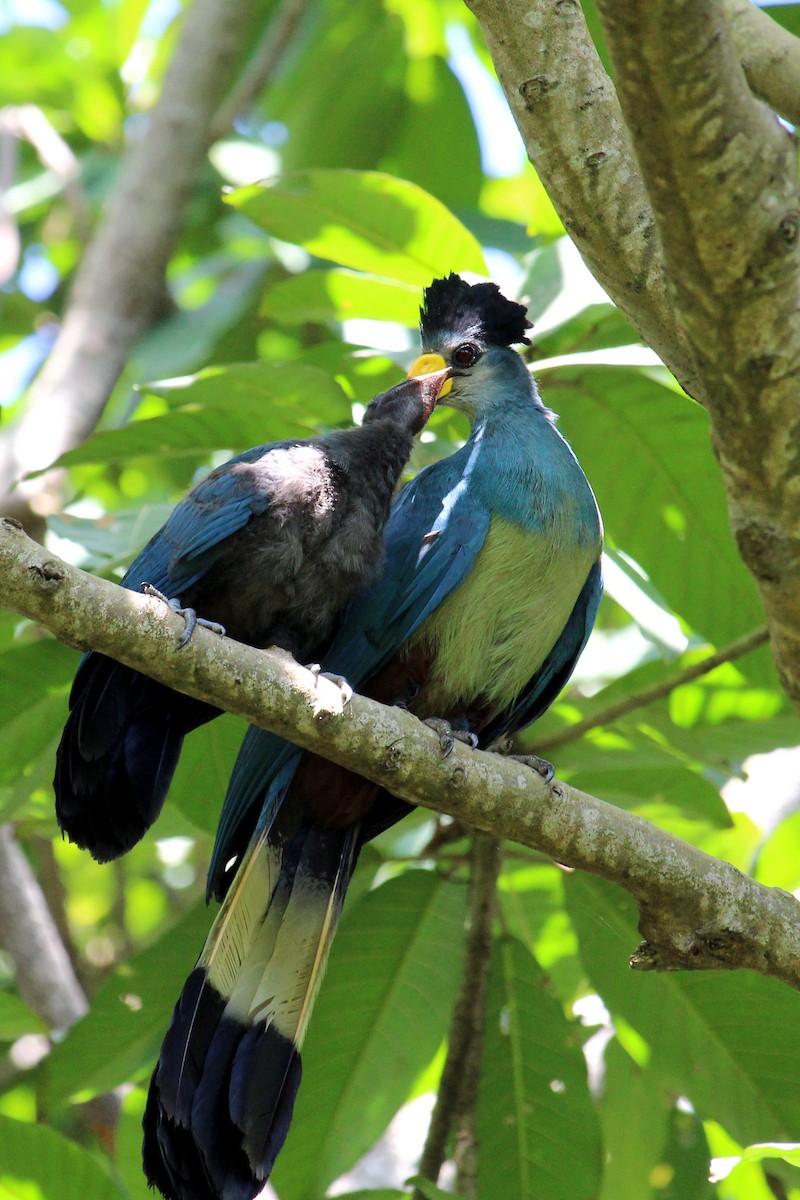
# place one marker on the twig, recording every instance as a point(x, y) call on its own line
point(695, 911)
point(656, 691)
point(454, 1110)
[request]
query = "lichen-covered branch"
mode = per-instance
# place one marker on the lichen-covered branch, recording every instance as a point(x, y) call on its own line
point(770, 56)
point(696, 911)
point(721, 173)
point(680, 190)
point(570, 120)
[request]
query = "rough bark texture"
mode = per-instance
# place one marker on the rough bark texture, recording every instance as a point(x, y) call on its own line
point(570, 120)
point(695, 911)
point(680, 190)
point(769, 55)
point(721, 174)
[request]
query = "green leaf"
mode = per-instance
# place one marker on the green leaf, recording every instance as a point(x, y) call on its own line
point(727, 1040)
point(380, 1194)
point(634, 1116)
point(204, 768)
point(684, 1169)
point(656, 445)
point(339, 295)
point(381, 1016)
point(679, 787)
point(222, 408)
point(36, 1163)
point(352, 55)
point(537, 1127)
point(113, 539)
point(119, 1037)
point(436, 142)
point(787, 1151)
point(365, 220)
point(16, 1019)
point(32, 673)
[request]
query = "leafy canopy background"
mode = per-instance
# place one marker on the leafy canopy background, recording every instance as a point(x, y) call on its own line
point(291, 305)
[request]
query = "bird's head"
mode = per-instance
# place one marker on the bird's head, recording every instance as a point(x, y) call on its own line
point(410, 402)
point(470, 328)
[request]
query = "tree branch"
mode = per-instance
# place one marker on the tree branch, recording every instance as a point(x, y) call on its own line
point(649, 695)
point(770, 57)
point(458, 1089)
point(721, 174)
point(570, 120)
point(46, 979)
point(695, 911)
point(698, 244)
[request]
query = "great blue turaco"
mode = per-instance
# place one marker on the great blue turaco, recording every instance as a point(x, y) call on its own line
point(271, 545)
point(488, 592)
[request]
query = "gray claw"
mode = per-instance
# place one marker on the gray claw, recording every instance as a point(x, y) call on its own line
point(449, 736)
point(540, 765)
point(190, 617)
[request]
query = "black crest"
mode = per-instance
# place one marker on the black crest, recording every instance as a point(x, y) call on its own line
point(471, 310)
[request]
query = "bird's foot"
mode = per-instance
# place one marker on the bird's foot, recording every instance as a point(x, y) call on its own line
point(448, 736)
point(344, 687)
point(190, 617)
point(541, 766)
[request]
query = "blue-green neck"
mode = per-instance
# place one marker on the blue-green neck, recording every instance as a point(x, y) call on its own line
point(525, 472)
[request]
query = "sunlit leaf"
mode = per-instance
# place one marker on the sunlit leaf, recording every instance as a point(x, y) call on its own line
point(536, 1124)
point(36, 1163)
point(706, 1030)
point(365, 220)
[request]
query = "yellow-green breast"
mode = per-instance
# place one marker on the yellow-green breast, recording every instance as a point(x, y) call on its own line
point(494, 631)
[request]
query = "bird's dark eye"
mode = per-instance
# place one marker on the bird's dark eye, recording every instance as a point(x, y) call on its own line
point(466, 355)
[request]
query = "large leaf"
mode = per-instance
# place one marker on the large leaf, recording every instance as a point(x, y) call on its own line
point(366, 220)
point(339, 295)
point(36, 1163)
point(637, 437)
point(223, 407)
point(727, 1040)
point(328, 120)
point(129, 1016)
point(537, 1127)
point(381, 1016)
point(633, 1113)
point(32, 672)
point(16, 1019)
point(436, 142)
point(199, 784)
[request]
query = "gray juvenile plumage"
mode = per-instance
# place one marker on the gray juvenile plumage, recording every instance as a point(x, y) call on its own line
point(271, 545)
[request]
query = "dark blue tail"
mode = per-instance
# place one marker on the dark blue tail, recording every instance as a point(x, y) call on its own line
point(117, 754)
point(223, 1091)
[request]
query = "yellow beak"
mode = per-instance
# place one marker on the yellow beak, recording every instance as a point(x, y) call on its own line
point(426, 364)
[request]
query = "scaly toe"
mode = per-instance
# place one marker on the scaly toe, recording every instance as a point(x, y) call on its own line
point(540, 765)
point(449, 736)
